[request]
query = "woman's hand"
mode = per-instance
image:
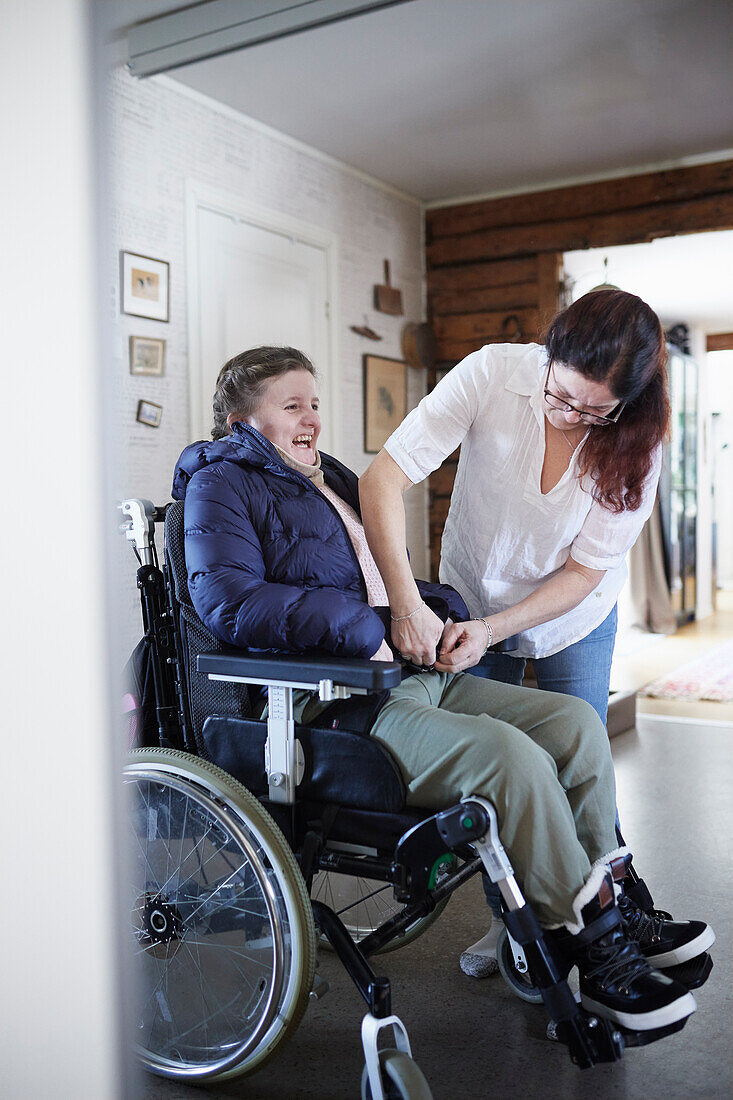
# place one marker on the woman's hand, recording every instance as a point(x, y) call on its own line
point(462, 646)
point(416, 639)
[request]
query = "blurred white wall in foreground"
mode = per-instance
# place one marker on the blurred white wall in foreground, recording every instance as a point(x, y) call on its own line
point(58, 1021)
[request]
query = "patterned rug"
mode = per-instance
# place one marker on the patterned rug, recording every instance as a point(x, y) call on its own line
point(708, 677)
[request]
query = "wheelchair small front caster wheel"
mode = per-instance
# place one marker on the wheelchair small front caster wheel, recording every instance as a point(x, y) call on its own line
point(402, 1078)
point(521, 984)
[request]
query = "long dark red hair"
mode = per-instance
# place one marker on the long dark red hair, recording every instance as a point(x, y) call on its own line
point(614, 337)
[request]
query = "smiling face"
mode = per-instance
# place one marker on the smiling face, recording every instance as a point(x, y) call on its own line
point(287, 415)
point(588, 396)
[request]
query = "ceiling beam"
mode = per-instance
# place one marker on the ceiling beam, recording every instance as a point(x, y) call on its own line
point(216, 27)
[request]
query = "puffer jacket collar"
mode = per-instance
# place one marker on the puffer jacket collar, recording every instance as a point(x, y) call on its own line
point(247, 447)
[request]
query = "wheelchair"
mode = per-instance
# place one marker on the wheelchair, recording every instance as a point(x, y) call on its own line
point(255, 841)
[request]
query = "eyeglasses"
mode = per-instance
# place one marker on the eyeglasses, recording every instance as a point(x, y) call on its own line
point(556, 402)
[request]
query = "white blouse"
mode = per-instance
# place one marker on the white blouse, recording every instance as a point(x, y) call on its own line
point(503, 538)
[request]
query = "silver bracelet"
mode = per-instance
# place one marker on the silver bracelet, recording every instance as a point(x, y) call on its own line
point(401, 618)
point(489, 631)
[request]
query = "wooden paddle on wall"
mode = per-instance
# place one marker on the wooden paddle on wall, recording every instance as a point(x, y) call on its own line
point(387, 299)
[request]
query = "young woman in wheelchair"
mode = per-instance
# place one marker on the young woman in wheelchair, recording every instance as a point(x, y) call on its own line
point(277, 560)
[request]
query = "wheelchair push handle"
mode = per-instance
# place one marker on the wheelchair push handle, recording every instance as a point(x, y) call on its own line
point(138, 525)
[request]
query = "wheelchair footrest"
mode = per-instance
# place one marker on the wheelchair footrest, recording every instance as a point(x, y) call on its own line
point(693, 973)
point(643, 1038)
point(591, 1039)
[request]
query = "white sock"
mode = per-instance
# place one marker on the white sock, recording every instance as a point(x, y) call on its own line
point(486, 946)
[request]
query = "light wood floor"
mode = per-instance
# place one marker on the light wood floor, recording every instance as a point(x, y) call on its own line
point(663, 656)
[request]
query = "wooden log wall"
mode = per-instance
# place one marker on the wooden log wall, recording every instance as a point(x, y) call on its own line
point(494, 266)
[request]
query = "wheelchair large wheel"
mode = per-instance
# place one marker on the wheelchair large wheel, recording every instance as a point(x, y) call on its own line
point(222, 925)
point(364, 904)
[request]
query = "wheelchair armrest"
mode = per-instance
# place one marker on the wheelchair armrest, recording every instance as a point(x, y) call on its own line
point(351, 672)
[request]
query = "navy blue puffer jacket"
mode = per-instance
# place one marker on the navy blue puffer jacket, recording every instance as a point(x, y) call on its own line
point(270, 563)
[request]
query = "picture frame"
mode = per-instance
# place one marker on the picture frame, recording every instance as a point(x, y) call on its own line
point(144, 286)
point(149, 413)
point(147, 356)
point(385, 399)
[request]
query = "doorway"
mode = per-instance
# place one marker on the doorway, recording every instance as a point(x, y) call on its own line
point(256, 277)
point(684, 279)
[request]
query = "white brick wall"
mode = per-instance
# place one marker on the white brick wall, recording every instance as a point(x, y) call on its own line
point(163, 136)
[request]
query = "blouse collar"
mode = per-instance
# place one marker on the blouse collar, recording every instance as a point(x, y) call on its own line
point(527, 380)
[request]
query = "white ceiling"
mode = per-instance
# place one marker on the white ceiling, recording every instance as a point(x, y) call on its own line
point(448, 98)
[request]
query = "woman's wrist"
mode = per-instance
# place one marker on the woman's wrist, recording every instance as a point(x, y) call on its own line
point(409, 615)
point(489, 631)
point(404, 603)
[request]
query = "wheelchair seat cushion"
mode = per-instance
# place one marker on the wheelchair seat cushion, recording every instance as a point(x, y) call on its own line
point(340, 766)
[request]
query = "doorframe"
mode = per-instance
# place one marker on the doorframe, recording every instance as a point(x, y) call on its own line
point(204, 197)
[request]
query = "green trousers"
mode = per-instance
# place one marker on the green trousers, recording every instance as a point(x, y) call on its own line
point(543, 760)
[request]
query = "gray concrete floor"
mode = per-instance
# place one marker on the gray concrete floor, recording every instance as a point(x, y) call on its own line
point(476, 1039)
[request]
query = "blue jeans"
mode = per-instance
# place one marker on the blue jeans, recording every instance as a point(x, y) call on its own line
point(582, 669)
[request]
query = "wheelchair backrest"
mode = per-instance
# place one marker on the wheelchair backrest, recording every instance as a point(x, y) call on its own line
point(204, 696)
point(175, 552)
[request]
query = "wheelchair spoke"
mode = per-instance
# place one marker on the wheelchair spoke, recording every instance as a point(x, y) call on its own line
point(143, 853)
point(193, 851)
point(151, 813)
point(224, 904)
point(233, 962)
point(234, 951)
point(184, 830)
point(164, 973)
point(363, 904)
point(221, 886)
point(206, 1014)
point(209, 1015)
point(169, 858)
point(329, 888)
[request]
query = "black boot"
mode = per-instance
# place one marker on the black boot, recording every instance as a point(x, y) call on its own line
point(663, 941)
point(616, 981)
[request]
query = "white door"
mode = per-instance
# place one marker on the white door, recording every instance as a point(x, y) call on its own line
point(256, 285)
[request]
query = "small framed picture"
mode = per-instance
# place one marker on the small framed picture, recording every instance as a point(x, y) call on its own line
point(385, 399)
point(144, 286)
point(149, 413)
point(147, 356)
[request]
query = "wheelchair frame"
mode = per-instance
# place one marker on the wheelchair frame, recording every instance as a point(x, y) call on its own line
point(468, 830)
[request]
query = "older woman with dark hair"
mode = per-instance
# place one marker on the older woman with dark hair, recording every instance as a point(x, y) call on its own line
point(561, 450)
point(277, 559)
